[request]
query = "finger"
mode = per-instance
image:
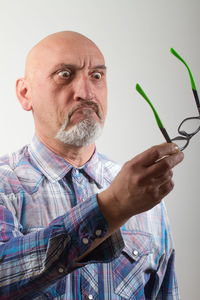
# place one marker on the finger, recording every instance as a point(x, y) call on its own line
point(157, 180)
point(166, 188)
point(160, 180)
point(168, 174)
point(169, 162)
point(155, 153)
point(163, 166)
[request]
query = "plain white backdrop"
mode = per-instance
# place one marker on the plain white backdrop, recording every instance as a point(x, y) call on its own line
point(135, 37)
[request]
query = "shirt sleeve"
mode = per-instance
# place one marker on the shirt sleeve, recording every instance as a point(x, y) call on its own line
point(30, 263)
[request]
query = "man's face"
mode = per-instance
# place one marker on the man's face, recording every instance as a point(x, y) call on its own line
point(67, 81)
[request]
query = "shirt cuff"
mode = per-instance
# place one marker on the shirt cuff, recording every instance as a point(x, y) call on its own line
point(85, 224)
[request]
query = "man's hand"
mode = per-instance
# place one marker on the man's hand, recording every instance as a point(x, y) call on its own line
point(140, 185)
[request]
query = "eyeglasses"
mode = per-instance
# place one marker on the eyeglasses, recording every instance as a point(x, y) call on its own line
point(189, 126)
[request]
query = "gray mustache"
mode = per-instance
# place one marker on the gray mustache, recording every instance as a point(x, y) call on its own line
point(85, 104)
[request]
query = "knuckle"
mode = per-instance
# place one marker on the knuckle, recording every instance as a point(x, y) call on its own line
point(166, 164)
point(153, 193)
point(155, 153)
point(167, 188)
point(169, 175)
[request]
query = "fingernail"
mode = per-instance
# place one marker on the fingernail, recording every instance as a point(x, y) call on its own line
point(176, 148)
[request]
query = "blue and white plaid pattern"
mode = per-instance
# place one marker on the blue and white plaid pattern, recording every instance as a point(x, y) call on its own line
point(49, 216)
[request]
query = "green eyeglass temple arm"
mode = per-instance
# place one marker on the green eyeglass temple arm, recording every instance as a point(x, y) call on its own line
point(194, 89)
point(160, 125)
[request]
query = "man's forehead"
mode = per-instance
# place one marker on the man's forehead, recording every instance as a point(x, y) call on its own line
point(64, 48)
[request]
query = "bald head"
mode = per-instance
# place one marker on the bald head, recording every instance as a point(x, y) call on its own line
point(64, 72)
point(56, 44)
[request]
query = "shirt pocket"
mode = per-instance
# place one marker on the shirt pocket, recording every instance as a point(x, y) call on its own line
point(128, 269)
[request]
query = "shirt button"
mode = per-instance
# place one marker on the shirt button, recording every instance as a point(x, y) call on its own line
point(90, 297)
point(98, 232)
point(135, 253)
point(60, 270)
point(85, 241)
point(76, 171)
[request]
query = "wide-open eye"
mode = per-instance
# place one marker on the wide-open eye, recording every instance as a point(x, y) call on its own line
point(97, 75)
point(64, 74)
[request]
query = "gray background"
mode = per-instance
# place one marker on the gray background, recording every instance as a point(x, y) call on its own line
point(135, 37)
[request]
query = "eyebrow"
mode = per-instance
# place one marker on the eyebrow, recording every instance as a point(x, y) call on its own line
point(103, 67)
point(74, 66)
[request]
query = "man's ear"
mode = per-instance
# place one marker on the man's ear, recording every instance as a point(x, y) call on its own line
point(22, 94)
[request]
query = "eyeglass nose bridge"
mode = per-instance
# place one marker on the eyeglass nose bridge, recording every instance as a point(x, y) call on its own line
point(184, 133)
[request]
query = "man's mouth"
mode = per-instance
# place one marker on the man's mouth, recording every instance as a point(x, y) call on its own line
point(89, 106)
point(82, 108)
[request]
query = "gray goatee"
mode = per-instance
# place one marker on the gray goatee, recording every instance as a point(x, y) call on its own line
point(82, 134)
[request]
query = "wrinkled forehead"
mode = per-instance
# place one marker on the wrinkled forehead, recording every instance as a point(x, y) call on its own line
point(63, 49)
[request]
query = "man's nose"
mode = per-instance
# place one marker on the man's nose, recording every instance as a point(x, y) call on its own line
point(83, 88)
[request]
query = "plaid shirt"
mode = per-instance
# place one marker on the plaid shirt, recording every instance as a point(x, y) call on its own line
point(49, 216)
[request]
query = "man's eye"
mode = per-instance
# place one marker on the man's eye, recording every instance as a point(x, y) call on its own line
point(97, 75)
point(64, 74)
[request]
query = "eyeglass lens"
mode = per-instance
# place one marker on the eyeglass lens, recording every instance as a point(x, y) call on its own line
point(189, 126)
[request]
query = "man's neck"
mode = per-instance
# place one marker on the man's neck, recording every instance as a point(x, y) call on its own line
point(76, 156)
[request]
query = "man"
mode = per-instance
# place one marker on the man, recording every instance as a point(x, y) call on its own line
point(69, 230)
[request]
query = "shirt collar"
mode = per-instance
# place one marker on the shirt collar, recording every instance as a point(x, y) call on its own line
point(55, 167)
point(94, 169)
